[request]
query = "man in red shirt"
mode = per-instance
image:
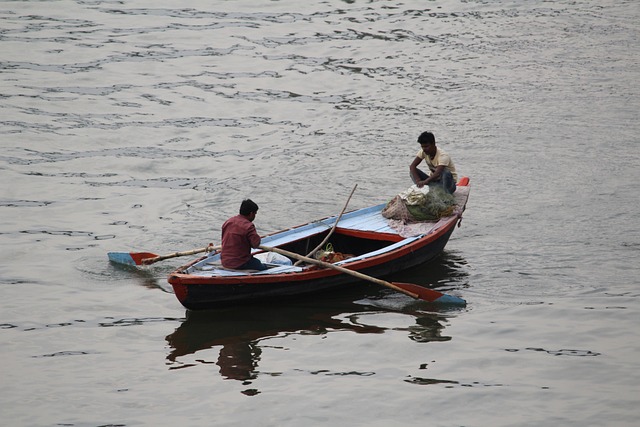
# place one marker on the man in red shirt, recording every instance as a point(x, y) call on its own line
point(239, 235)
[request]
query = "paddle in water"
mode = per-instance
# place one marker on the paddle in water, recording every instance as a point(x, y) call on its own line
point(146, 258)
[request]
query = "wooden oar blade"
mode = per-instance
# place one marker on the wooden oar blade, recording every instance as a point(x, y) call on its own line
point(431, 295)
point(129, 258)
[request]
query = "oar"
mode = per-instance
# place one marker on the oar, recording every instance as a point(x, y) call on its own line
point(146, 258)
point(414, 291)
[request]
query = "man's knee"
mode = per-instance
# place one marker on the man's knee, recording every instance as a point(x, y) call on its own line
point(421, 176)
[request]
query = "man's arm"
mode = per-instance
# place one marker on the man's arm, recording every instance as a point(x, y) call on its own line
point(254, 237)
point(435, 175)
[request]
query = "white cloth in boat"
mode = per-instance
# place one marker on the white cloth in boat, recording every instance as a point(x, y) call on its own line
point(414, 195)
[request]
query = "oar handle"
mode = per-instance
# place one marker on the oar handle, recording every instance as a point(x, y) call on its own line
point(340, 269)
point(209, 248)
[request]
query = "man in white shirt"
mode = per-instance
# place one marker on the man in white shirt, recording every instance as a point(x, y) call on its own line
point(442, 171)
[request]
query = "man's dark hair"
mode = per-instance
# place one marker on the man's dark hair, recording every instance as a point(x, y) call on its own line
point(426, 138)
point(247, 207)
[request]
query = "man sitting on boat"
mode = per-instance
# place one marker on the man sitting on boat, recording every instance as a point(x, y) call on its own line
point(239, 235)
point(441, 167)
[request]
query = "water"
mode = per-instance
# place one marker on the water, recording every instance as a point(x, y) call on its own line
point(139, 126)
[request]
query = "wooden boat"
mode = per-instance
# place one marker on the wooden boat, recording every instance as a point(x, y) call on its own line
point(376, 246)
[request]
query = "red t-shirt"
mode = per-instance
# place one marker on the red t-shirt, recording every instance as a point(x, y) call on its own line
point(239, 235)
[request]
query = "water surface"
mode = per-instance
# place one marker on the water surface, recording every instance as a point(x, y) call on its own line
point(127, 125)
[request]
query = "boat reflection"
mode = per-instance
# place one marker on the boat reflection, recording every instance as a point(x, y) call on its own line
point(240, 333)
point(448, 271)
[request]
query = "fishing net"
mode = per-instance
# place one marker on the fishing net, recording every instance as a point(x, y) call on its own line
point(420, 204)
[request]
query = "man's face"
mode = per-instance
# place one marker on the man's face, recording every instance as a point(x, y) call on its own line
point(429, 149)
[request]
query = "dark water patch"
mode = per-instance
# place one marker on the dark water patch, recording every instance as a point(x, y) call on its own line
point(36, 23)
point(286, 17)
point(630, 245)
point(105, 237)
point(69, 233)
point(230, 75)
point(105, 322)
point(607, 308)
point(49, 68)
point(429, 381)
point(135, 321)
point(427, 331)
point(130, 57)
point(53, 325)
point(561, 352)
point(11, 127)
point(24, 203)
point(153, 152)
point(339, 374)
point(16, 281)
point(173, 183)
point(65, 353)
point(84, 90)
point(448, 383)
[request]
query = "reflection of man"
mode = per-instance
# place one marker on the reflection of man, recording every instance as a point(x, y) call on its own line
point(238, 361)
point(441, 167)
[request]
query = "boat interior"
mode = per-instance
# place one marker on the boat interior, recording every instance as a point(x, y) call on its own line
point(360, 234)
point(341, 241)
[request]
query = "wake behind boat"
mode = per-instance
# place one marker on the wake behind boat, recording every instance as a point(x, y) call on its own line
point(365, 241)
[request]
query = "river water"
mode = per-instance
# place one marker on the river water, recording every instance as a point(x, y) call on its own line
point(140, 126)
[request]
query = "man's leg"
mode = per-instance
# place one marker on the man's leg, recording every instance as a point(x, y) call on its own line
point(253, 264)
point(448, 183)
point(421, 175)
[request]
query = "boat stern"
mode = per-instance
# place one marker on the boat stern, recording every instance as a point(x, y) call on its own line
point(180, 290)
